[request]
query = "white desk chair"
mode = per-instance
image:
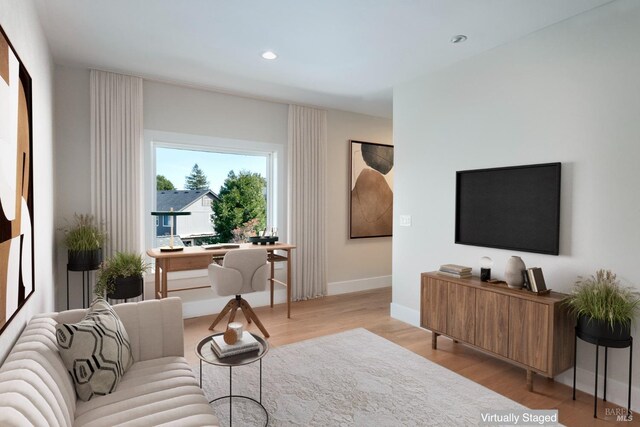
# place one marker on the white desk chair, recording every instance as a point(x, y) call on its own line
point(242, 271)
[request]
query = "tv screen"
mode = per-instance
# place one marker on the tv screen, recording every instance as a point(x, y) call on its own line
point(514, 207)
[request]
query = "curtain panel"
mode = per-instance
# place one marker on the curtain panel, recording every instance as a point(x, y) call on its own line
point(116, 158)
point(306, 200)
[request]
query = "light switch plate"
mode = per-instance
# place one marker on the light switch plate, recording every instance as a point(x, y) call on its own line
point(405, 220)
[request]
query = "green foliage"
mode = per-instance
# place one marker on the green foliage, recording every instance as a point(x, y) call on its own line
point(162, 183)
point(84, 233)
point(241, 199)
point(197, 180)
point(601, 297)
point(122, 264)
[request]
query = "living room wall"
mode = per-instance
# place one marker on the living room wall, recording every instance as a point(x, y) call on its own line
point(352, 265)
point(20, 22)
point(568, 93)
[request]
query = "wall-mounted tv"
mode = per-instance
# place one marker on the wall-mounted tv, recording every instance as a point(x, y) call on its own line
point(515, 207)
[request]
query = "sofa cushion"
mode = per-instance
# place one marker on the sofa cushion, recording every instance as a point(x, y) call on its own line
point(154, 392)
point(96, 351)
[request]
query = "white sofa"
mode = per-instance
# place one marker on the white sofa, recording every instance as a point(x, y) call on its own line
point(158, 389)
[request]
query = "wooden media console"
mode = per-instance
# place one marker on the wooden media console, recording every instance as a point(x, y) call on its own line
point(532, 331)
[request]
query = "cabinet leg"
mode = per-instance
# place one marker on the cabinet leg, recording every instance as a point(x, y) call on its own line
point(529, 380)
point(434, 340)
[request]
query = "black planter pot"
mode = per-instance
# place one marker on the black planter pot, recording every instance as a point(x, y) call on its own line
point(593, 330)
point(84, 260)
point(127, 287)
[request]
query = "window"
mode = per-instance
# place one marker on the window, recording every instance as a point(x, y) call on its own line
point(174, 156)
point(166, 221)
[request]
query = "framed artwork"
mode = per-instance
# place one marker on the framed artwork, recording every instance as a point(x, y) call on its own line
point(371, 198)
point(16, 184)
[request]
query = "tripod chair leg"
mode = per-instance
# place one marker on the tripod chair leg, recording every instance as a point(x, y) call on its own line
point(246, 312)
point(233, 314)
point(231, 304)
point(246, 308)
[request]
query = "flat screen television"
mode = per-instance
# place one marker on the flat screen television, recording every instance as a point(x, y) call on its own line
point(515, 207)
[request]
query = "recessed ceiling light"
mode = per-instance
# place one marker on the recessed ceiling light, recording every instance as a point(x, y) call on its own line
point(269, 55)
point(458, 39)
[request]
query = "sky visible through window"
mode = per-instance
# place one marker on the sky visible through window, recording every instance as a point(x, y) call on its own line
point(176, 164)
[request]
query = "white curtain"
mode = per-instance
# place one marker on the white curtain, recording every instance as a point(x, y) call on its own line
point(116, 155)
point(306, 200)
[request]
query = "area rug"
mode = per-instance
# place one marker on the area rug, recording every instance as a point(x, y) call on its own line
point(354, 378)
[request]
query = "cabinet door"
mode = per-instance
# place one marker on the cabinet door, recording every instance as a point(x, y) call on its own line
point(434, 304)
point(462, 313)
point(529, 333)
point(492, 322)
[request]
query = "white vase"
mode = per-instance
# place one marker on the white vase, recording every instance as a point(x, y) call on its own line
point(513, 272)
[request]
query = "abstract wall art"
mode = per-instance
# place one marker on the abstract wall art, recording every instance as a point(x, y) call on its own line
point(371, 206)
point(16, 184)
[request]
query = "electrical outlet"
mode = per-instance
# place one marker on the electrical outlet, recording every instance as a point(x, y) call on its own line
point(405, 220)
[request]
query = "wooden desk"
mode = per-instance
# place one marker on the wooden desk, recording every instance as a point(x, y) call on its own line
point(197, 258)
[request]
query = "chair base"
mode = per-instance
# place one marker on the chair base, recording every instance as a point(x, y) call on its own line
point(232, 306)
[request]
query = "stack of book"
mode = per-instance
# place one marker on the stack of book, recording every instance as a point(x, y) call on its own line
point(245, 344)
point(455, 270)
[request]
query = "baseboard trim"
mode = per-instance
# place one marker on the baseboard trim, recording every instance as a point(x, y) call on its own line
point(348, 286)
point(405, 314)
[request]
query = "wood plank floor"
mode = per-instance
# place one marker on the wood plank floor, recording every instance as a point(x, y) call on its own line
point(370, 310)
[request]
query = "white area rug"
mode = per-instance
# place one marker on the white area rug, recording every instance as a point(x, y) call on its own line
point(354, 378)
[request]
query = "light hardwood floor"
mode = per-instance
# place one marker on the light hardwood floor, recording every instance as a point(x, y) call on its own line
point(370, 310)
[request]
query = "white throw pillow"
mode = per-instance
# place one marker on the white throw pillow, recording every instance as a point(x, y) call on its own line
point(96, 351)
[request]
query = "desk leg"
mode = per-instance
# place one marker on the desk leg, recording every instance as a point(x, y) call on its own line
point(157, 279)
point(273, 272)
point(529, 380)
point(289, 283)
point(163, 286)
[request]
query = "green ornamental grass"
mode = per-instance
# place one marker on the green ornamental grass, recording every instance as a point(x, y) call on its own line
point(121, 265)
point(601, 297)
point(84, 234)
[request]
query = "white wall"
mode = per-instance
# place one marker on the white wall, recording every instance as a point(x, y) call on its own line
point(354, 264)
point(20, 22)
point(568, 93)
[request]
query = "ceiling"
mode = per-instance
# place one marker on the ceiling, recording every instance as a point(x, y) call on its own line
point(343, 54)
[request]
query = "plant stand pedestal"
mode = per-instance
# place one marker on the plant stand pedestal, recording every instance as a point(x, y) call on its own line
point(606, 343)
point(86, 286)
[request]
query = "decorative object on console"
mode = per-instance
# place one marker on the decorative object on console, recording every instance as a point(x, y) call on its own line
point(535, 279)
point(371, 201)
point(16, 184)
point(96, 351)
point(513, 272)
point(455, 270)
point(172, 214)
point(485, 268)
point(121, 277)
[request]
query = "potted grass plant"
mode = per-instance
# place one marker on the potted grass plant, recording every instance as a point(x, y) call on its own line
point(121, 277)
point(84, 239)
point(603, 307)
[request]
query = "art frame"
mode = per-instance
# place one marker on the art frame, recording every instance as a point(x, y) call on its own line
point(370, 190)
point(17, 271)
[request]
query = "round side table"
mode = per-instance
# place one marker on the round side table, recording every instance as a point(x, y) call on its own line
point(206, 354)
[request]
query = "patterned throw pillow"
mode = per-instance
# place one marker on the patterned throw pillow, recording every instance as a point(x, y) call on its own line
point(96, 350)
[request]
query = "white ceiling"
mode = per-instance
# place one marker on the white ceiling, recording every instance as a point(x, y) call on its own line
point(344, 54)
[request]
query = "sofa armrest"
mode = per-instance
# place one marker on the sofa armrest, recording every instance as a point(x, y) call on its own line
point(155, 327)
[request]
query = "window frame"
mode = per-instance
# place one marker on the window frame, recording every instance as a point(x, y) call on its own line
point(276, 171)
